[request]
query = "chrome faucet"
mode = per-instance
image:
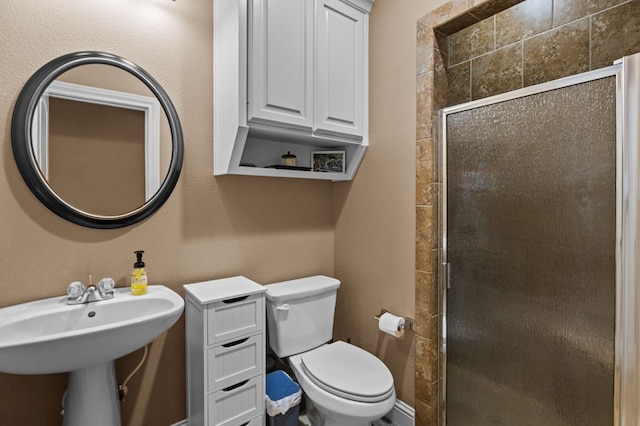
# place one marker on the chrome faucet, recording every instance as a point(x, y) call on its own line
point(78, 294)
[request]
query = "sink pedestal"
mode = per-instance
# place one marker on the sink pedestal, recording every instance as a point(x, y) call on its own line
point(92, 397)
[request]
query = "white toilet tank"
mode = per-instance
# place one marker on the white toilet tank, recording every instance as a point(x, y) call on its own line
point(300, 313)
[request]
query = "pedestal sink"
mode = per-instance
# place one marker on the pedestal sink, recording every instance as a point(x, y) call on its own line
point(48, 336)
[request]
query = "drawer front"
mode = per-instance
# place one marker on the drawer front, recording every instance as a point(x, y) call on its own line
point(236, 404)
point(258, 421)
point(232, 362)
point(235, 318)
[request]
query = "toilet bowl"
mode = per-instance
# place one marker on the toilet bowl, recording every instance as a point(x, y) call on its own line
point(343, 384)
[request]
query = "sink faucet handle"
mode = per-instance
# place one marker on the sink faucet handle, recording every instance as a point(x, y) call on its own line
point(106, 285)
point(75, 289)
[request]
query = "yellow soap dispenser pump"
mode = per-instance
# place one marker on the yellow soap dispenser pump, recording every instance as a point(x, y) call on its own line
point(138, 276)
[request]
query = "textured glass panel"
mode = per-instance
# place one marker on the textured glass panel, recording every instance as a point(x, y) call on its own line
point(531, 243)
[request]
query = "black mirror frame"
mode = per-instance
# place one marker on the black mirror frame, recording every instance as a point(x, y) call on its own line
point(21, 140)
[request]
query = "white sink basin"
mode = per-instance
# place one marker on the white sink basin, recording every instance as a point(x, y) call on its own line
point(48, 336)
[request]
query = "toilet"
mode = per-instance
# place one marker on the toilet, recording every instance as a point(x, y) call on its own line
point(343, 385)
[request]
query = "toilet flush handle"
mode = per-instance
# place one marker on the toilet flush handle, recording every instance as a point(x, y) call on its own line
point(284, 307)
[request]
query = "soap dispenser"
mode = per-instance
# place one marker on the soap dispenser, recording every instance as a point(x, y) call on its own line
point(138, 276)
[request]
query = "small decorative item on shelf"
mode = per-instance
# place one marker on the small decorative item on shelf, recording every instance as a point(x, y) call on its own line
point(328, 161)
point(289, 159)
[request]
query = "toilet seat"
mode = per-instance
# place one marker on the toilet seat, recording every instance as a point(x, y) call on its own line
point(349, 372)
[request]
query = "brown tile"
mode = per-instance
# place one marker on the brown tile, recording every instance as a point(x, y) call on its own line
point(498, 72)
point(439, 81)
point(434, 262)
point(427, 324)
point(424, 106)
point(422, 381)
point(558, 53)
point(442, 42)
point(436, 241)
point(424, 238)
point(426, 295)
point(446, 12)
point(459, 83)
point(424, 172)
point(522, 21)
point(434, 133)
point(472, 41)
point(437, 164)
point(426, 370)
point(425, 45)
point(485, 8)
point(435, 332)
point(426, 415)
point(460, 22)
point(615, 33)
point(565, 11)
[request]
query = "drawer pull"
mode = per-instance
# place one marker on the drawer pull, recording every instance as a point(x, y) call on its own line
point(245, 424)
point(236, 386)
point(237, 342)
point(235, 299)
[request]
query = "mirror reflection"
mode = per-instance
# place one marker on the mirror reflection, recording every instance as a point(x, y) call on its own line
point(101, 140)
point(97, 140)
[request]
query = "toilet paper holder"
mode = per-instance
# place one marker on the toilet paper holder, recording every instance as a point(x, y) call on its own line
point(408, 322)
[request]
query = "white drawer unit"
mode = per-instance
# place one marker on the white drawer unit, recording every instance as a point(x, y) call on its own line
point(225, 337)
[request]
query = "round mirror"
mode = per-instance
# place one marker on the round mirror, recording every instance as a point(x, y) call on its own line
point(97, 140)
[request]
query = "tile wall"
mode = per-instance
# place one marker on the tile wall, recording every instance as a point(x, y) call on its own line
point(469, 49)
point(538, 41)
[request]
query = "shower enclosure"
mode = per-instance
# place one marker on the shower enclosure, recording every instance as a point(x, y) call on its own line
point(538, 228)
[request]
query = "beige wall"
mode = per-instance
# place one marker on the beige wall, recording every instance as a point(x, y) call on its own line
point(266, 229)
point(375, 213)
point(96, 158)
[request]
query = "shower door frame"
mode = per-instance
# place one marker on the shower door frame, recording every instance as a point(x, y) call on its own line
point(627, 243)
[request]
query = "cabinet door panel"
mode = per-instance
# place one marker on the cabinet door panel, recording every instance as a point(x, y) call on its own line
point(281, 62)
point(340, 61)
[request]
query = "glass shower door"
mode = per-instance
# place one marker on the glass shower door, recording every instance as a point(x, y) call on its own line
point(530, 241)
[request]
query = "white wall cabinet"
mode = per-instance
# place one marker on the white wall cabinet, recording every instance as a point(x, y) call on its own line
point(225, 337)
point(340, 75)
point(281, 62)
point(289, 76)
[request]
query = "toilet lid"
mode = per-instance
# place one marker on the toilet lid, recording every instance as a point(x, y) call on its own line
point(348, 371)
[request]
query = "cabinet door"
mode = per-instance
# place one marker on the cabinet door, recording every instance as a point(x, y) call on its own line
point(340, 60)
point(281, 62)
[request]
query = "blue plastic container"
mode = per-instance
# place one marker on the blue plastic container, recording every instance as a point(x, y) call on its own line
point(278, 387)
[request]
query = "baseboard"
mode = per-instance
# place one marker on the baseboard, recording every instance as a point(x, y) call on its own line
point(402, 414)
point(180, 423)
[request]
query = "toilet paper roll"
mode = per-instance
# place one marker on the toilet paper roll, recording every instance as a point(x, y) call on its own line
point(391, 324)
